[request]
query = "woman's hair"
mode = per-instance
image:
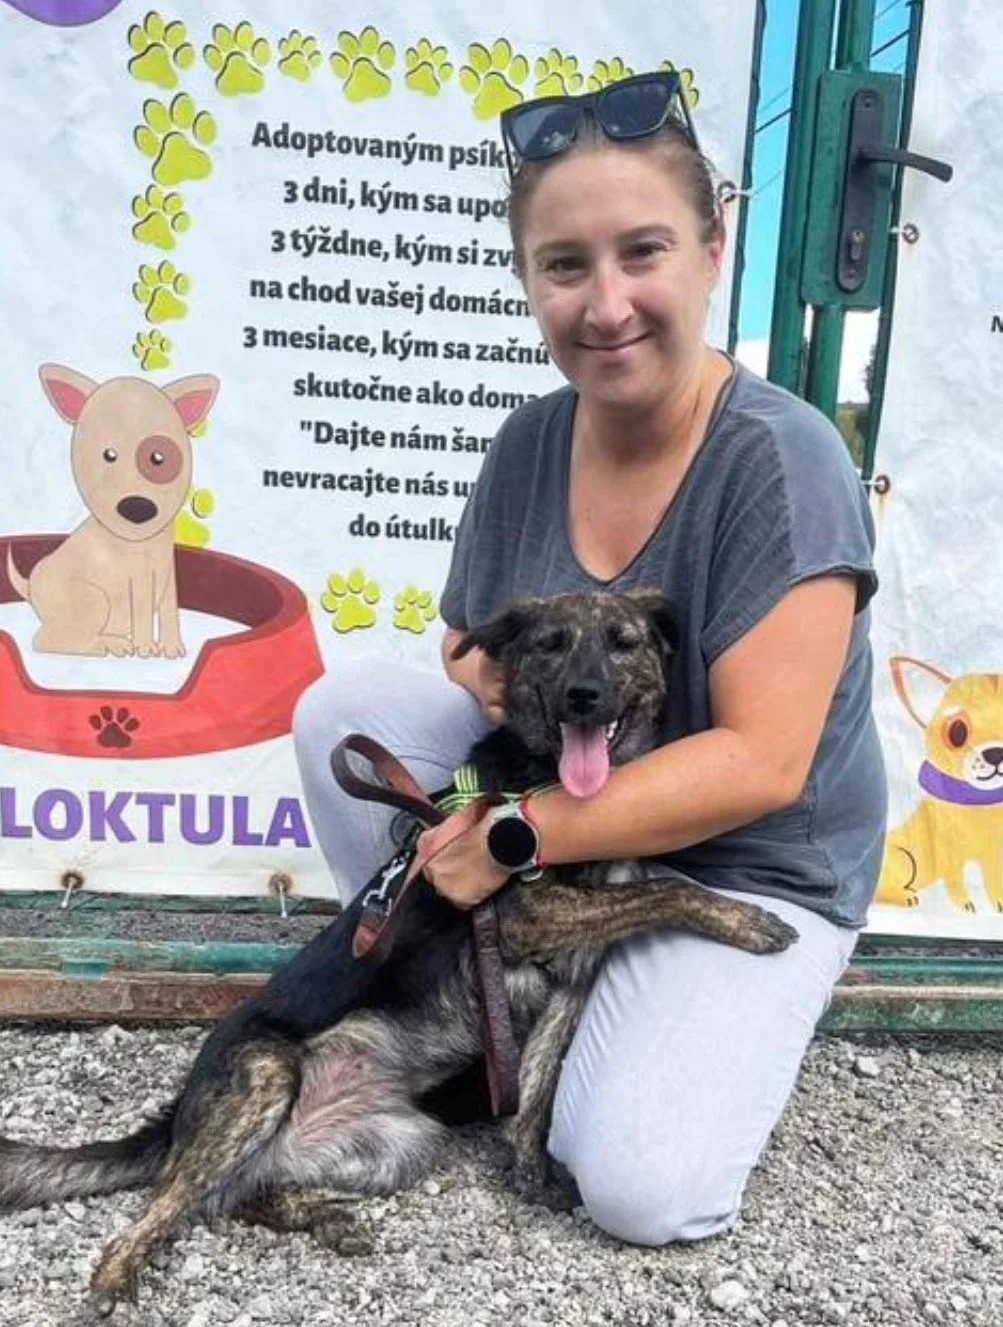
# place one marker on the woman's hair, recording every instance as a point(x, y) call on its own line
point(681, 159)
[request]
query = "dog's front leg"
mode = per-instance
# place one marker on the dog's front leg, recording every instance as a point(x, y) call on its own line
point(539, 1071)
point(171, 645)
point(542, 918)
point(142, 599)
point(234, 1125)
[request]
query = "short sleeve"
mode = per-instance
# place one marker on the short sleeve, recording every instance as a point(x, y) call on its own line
point(453, 600)
point(794, 509)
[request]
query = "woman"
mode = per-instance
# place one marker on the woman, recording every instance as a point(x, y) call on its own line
point(663, 463)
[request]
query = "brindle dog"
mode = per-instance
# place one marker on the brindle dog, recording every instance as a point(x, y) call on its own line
point(314, 1084)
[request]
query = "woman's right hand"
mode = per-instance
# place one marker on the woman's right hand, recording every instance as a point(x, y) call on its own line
point(477, 673)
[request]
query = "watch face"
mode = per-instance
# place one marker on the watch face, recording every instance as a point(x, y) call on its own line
point(512, 842)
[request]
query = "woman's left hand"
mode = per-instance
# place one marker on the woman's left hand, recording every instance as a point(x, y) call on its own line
point(462, 870)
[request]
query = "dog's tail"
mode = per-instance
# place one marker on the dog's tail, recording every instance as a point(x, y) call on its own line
point(14, 576)
point(31, 1175)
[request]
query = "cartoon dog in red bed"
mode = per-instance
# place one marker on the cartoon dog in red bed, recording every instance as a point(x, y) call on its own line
point(110, 587)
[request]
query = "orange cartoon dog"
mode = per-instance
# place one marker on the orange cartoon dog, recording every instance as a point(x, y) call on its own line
point(960, 819)
point(110, 587)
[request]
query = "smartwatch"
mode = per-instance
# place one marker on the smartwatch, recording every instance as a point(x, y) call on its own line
point(513, 840)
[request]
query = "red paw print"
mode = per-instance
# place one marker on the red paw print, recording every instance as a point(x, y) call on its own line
point(114, 727)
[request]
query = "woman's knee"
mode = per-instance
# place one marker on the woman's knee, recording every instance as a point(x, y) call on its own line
point(655, 1200)
point(336, 702)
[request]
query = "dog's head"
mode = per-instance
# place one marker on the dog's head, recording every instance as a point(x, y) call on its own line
point(586, 677)
point(131, 451)
point(962, 718)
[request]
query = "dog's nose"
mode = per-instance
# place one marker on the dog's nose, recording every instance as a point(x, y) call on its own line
point(994, 755)
point(583, 697)
point(136, 509)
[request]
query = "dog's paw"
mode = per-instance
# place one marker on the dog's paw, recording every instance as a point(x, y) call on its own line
point(118, 646)
point(765, 933)
point(115, 1281)
point(537, 1182)
point(338, 1230)
point(529, 1173)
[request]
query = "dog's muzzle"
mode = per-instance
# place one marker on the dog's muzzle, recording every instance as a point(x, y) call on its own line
point(137, 510)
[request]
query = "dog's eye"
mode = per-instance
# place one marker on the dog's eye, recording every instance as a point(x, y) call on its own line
point(552, 642)
point(623, 638)
point(957, 733)
point(157, 458)
point(110, 454)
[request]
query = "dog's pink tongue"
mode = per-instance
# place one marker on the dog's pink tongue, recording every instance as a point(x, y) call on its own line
point(584, 763)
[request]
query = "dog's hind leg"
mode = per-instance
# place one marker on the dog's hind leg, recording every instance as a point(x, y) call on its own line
point(541, 919)
point(323, 1215)
point(236, 1123)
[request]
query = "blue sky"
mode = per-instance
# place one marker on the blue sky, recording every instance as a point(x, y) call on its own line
point(891, 18)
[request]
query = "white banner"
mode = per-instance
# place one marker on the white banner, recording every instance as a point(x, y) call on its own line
point(939, 636)
point(258, 325)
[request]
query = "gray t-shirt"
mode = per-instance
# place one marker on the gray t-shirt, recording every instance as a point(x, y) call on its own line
point(770, 500)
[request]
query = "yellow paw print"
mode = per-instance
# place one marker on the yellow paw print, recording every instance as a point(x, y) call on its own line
point(689, 89)
point(350, 600)
point(237, 56)
point(606, 72)
point(160, 290)
point(299, 56)
point(160, 217)
point(491, 78)
point(361, 63)
point(413, 610)
point(174, 137)
point(190, 526)
point(428, 68)
point(160, 49)
point(557, 75)
point(153, 350)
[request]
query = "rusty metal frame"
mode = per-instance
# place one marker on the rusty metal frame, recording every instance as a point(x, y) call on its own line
point(899, 986)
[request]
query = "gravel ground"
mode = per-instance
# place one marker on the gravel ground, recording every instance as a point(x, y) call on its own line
point(879, 1203)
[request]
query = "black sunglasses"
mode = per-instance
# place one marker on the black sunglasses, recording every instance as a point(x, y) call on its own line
point(633, 108)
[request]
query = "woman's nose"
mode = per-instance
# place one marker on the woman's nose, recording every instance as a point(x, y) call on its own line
point(609, 301)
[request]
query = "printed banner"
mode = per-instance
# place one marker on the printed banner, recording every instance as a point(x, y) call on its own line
point(258, 326)
point(939, 636)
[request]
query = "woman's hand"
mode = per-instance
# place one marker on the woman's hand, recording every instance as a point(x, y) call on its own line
point(462, 871)
point(477, 673)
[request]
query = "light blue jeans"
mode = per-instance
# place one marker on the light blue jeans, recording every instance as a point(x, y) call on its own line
point(687, 1050)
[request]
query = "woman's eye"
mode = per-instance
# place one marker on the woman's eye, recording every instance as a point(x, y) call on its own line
point(644, 249)
point(564, 266)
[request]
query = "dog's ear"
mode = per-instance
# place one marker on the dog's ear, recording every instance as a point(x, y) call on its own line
point(497, 633)
point(67, 390)
point(192, 397)
point(661, 613)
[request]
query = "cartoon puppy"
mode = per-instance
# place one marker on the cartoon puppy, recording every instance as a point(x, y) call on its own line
point(960, 819)
point(110, 587)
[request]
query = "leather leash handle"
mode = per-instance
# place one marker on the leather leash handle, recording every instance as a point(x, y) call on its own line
point(403, 793)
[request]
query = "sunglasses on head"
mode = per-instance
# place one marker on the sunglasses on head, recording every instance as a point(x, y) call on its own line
point(633, 108)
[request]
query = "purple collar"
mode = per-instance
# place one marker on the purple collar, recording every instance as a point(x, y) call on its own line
point(946, 789)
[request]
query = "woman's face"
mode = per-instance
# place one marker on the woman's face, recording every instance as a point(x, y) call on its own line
point(617, 275)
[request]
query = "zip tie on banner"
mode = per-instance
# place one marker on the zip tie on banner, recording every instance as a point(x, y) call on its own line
point(71, 881)
point(281, 884)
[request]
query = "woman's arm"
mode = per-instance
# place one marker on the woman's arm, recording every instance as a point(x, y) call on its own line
point(770, 694)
